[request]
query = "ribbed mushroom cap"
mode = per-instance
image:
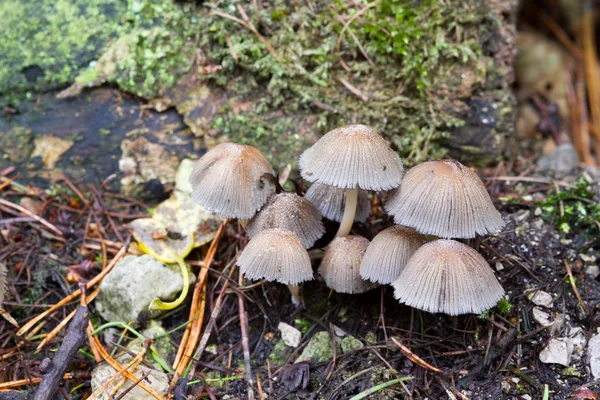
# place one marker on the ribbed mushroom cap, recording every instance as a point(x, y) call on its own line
point(449, 277)
point(3, 273)
point(276, 255)
point(331, 201)
point(291, 212)
point(446, 199)
point(388, 253)
point(352, 155)
point(340, 266)
point(232, 180)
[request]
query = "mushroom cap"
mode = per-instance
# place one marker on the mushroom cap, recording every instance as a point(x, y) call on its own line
point(340, 266)
point(449, 277)
point(446, 199)
point(3, 273)
point(276, 255)
point(331, 201)
point(232, 180)
point(388, 253)
point(291, 212)
point(352, 155)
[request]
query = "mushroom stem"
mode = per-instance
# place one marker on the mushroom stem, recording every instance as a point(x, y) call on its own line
point(349, 212)
point(296, 296)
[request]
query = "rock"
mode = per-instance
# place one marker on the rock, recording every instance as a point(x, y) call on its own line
point(593, 355)
point(279, 353)
point(562, 160)
point(557, 351)
point(578, 340)
point(50, 148)
point(318, 349)
point(182, 176)
point(542, 317)
point(499, 266)
point(157, 380)
point(290, 335)
point(350, 343)
point(539, 297)
point(587, 259)
point(143, 161)
point(127, 290)
point(339, 331)
point(592, 271)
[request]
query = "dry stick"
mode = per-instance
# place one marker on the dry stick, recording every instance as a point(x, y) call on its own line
point(591, 67)
point(560, 35)
point(579, 130)
point(249, 26)
point(362, 50)
point(575, 290)
point(98, 278)
point(347, 24)
point(32, 215)
point(245, 343)
point(415, 358)
point(211, 323)
point(353, 89)
point(29, 381)
point(192, 331)
point(118, 367)
point(74, 339)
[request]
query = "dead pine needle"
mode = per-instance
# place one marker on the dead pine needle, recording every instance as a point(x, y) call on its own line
point(574, 286)
point(415, 358)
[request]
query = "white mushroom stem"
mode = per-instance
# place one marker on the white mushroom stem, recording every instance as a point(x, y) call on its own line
point(349, 212)
point(296, 296)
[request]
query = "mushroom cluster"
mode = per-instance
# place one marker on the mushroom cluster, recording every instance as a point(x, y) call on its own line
point(433, 203)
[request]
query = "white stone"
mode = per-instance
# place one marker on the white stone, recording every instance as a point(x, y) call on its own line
point(578, 340)
point(290, 335)
point(526, 397)
point(499, 266)
point(593, 355)
point(539, 298)
point(557, 351)
point(542, 317)
point(339, 331)
point(157, 380)
point(593, 271)
point(587, 259)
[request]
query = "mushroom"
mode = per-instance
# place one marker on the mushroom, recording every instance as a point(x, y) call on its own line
point(340, 266)
point(232, 180)
point(446, 199)
point(331, 201)
point(350, 158)
point(291, 212)
point(388, 253)
point(277, 255)
point(449, 277)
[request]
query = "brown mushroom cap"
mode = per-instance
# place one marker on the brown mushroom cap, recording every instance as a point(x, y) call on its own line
point(331, 201)
point(291, 212)
point(232, 180)
point(3, 273)
point(350, 156)
point(449, 277)
point(340, 266)
point(276, 255)
point(446, 199)
point(388, 253)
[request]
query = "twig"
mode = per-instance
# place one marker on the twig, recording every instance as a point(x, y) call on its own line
point(98, 278)
point(192, 331)
point(74, 339)
point(574, 286)
point(32, 215)
point(245, 342)
point(347, 24)
point(591, 65)
point(353, 89)
point(415, 358)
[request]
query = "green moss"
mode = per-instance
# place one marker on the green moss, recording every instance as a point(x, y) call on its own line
point(574, 210)
point(46, 43)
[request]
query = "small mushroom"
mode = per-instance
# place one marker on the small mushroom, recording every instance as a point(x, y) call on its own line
point(388, 253)
point(449, 277)
point(291, 212)
point(331, 201)
point(340, 266)
point(277, 255)
point(350, 158)
point(446, 199)
point(232, 180)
